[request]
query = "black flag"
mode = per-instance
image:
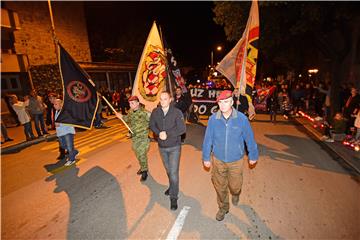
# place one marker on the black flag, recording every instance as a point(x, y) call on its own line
point(80, 97)
point(173, 69)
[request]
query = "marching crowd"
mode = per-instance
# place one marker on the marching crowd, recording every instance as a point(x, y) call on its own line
point(227, 132)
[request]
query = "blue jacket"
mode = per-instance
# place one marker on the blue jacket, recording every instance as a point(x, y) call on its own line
point(226, 139)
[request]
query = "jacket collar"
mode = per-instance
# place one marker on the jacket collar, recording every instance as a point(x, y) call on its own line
point(234, 114)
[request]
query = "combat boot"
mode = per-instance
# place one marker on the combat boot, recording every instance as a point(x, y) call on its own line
point(173, 204)
point(220, 215)
point(144, 176)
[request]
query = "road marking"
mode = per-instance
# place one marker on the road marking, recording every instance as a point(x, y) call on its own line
point(180, 220)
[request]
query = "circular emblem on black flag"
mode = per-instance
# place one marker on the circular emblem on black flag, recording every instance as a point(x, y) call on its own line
point(78, 91)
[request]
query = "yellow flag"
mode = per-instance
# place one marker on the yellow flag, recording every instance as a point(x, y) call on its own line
point(239, 65)
point(151, 73)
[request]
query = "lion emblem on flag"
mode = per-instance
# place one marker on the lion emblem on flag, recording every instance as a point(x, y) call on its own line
point(78, 91)
point(153, 73)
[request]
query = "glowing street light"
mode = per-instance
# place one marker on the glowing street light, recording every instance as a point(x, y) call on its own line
point(218, 48)
point(313, 71)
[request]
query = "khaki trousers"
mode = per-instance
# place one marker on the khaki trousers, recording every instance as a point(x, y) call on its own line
point(225, 177)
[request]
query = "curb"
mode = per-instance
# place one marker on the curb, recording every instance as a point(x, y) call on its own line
point(332, 151)
point(20, 146)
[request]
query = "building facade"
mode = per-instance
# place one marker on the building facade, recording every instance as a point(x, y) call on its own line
point(28, 50)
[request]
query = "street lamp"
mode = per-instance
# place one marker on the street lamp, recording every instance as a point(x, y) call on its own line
point(218, 48)
point(313, 71)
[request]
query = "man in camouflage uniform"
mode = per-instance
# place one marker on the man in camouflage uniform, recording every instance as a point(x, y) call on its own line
point(138, 120)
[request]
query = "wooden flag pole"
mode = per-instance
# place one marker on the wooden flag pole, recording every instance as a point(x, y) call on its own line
point(53, 29)
point(167, 66)
point(112, 108)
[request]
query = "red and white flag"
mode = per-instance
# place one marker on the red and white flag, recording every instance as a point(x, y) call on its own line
point(239, 65)
point(151, 73)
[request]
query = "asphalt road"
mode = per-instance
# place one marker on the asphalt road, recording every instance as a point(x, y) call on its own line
point(297, 191)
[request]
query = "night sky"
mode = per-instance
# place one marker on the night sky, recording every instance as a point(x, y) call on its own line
point(188, 27)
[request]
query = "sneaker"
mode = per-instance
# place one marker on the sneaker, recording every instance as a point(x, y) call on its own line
point(69, 162)
point(235, 200)
point(329, 140)
point(220, 215)
point(173, 204)
point(76, 154)
point(167, 192)
point(324, 137)
point(61, 156)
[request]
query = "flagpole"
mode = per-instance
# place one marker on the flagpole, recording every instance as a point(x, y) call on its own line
point(113, 109)
point(53, 29)
point(167, 64)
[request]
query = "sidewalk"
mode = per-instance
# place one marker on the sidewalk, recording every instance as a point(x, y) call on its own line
point(19, 143)
point(351, 157)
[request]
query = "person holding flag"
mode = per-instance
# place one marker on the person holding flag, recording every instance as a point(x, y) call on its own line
point(65, 134)
point(225, 135)
point(138, 119)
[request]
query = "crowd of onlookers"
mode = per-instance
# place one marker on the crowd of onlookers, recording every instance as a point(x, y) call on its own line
point(315, 99)
point(31, 107)
point(39, 108)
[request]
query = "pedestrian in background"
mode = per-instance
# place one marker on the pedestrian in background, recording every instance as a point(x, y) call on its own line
point(338, 126)
point(65, 134)
point(223, 149)
point(273, 104)
point(138, 120)
point(352, 106)
point(357, 125)
point(50, 110)
point(7, 98)
point(36, 108)
point(23, 116)
point(4, 133)
point(168, 123)
point(183, 105)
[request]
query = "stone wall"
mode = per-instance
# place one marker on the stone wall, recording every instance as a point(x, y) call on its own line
point(46, 78)
point(35, 38)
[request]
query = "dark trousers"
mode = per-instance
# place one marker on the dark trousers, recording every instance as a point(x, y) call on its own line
point(67, 142)
point(39, 120)
point(171, 158)
point(28, 131)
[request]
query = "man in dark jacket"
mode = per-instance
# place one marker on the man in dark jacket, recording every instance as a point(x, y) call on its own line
point(182, 103)
point(167, 122)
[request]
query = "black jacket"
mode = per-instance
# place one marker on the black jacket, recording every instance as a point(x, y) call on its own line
point(172, 123)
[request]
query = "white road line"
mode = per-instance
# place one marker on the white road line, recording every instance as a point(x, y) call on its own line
point(180, 220)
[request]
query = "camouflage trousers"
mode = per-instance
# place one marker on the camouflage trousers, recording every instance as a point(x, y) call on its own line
point(141, 147)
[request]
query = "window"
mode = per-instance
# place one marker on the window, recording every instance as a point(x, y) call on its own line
point(10, 82)
point(119, 80)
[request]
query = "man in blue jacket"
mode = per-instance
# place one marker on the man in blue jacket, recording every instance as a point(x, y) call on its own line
point(167, 122)
point(225, 135)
